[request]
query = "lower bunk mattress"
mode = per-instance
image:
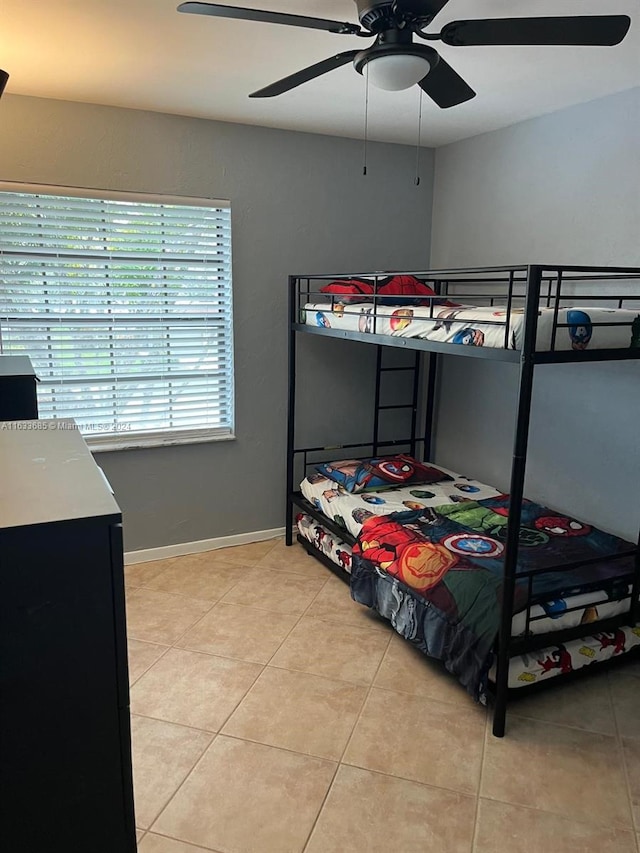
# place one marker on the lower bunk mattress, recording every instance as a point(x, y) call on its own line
point(430, 559)
point(409, 616)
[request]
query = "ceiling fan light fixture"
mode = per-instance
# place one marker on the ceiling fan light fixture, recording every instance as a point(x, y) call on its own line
point(3, 80)
point(396, 71)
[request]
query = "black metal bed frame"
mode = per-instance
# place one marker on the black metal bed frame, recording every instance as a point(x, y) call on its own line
point(533, 287)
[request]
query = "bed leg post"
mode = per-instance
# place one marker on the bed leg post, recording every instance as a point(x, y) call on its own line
point(634, 603)
point(291, 413)
point(430, 408)
point(499, 716)
point(518, 471)
point(376, 406)
point(288, 532)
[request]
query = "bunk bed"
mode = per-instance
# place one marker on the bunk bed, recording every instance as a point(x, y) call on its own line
point(505, 617)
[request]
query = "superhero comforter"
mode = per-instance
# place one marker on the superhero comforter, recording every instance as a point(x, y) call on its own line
point(482, 326)
point(437, 574)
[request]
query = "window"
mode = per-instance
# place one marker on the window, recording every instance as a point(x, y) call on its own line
point(123, 304)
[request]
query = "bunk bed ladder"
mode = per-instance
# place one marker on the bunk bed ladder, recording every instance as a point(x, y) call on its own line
point(412, 405)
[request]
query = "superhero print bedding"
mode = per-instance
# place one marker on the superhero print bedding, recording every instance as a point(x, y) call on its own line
point(433, 564)
point(482, 326)
point(380, 472)
point(409, 616)
point(349, 508)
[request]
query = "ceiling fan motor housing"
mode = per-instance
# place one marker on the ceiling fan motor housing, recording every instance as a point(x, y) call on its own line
point(375, 15)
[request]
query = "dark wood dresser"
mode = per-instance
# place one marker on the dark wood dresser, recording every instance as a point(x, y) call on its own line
point(18, 398)
point(65, 743)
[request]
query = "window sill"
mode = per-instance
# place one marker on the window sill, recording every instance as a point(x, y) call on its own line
point(108, 444)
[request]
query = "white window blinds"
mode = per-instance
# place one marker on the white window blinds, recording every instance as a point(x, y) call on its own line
point(124, 306)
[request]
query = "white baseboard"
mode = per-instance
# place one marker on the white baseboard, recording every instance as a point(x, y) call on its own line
point(165, 551)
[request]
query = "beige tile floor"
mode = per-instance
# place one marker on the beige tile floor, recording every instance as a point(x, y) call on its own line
point(271, 714)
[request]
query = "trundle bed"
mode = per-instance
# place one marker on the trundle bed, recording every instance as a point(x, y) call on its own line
point(507, 593)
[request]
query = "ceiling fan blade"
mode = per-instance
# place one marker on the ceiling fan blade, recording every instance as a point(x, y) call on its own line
point(582, 30)
point(445, 86)
point(217, 10)
point(306, 74)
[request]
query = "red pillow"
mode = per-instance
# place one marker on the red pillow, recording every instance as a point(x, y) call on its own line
point(411, 290)
point(406, 286)
point(350, 289)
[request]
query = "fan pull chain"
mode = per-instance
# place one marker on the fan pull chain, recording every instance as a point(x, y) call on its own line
point(419, 140)
point(366, 116)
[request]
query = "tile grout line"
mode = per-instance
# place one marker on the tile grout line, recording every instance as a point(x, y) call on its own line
point(215, 735)
point(198, 729)
point(294, 751)
point(623, 759)
point(216, 655)
point(297, 622)
point(281, 748)
point(249, 688)
point(138, 677)
point(149, 588)
point(264, 666)
point(346, 747)
point(221, 600)
point(195, 625)
point(374, 686)
point(171, 644)
point(224, 657)
point(196, 847)
point(562, 725)
point(460, 705)
point(560, 815)
point(196, 554)
point(585, 821)
point(474, 835)
point(268, 610)
point(181, 595)
point(345, 681)
point(284, 669)
point(148, 642)
point(430, 785)
point(302, 616)
point(189, 772)
point(174, 560)
point(214, 604)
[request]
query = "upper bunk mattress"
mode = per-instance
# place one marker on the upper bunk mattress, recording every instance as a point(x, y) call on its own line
point(482, 326)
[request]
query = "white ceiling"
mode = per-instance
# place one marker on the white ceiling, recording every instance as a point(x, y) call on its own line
point(143, 54)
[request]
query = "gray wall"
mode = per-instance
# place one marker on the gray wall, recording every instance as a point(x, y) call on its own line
point(564, 188)
point(299, 204)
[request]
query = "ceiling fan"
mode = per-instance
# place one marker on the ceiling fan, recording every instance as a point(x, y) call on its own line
point(394, 61)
